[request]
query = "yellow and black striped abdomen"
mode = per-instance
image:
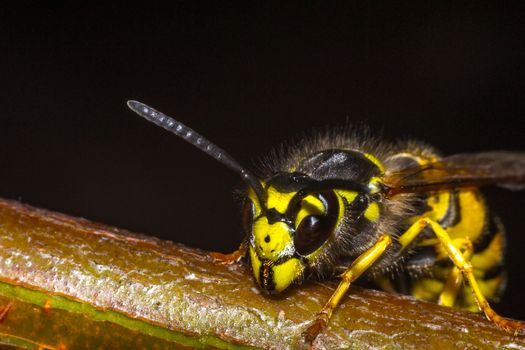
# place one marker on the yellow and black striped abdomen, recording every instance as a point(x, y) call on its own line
point(466, 218)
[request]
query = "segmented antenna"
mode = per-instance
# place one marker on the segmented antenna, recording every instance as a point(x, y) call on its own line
point(198, 141)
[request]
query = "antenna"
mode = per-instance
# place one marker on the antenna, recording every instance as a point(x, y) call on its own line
point(198, 141)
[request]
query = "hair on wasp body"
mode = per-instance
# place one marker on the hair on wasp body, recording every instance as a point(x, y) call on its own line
point(398, 215)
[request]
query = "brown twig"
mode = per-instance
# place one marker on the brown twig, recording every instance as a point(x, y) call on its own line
point(116, 289)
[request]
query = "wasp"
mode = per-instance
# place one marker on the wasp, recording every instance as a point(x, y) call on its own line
point(399, 215)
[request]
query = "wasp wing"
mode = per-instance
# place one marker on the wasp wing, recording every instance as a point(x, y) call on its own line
point(505, 169)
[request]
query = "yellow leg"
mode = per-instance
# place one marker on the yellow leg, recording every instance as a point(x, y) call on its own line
point(463, 265)
point(455, 279)
point(451, 289)
point(358, 267)
point(231, 258)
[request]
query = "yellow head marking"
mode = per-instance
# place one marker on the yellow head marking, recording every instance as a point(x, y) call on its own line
point(278, 200)
point(256, 264)
point(253, 197)
point(278, 277)
point(285, 273)
point(271, 240)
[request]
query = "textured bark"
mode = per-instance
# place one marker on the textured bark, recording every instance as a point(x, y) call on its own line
point(70, 283)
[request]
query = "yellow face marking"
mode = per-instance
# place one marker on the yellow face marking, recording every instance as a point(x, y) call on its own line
point(376, 161)
point(285, 273)
point(278, 200)
point(256, 264)
point(271, 240)
point(372, 212)
point(251, 194)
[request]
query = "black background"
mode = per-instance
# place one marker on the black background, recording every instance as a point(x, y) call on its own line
point(248, 78)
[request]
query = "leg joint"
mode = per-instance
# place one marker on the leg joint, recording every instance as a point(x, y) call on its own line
point(466, 268)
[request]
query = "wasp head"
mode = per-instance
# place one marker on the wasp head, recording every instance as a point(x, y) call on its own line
point(288, 229)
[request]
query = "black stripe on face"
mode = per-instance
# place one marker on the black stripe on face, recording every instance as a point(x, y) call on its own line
point(266, 276)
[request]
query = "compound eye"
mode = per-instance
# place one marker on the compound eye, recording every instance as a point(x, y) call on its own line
point(248, 214)
point(310, 234)
point(314, 230)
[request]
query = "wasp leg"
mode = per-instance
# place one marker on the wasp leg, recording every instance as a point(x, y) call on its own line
point(464, 266)
point(455, 278)
point(231, 258)
point(358, 267)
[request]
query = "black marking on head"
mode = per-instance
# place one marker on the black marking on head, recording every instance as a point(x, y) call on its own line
point(266, 276)
point(273, 216)
point(304, 185)
point(327, 170)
